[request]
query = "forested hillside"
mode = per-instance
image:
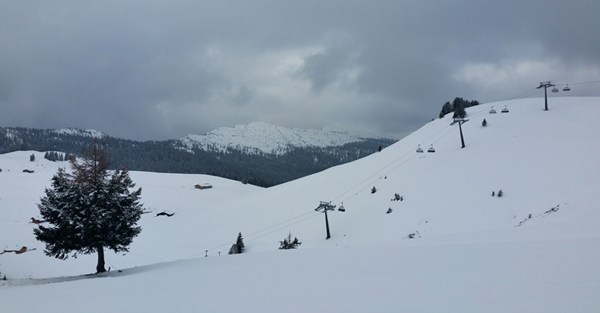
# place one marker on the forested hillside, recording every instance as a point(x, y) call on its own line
point(261, 169)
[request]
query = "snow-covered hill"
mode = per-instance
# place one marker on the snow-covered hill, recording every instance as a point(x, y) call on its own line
point(260, 137)
point(448, 246)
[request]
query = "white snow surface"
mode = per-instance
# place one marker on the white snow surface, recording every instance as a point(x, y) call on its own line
point(471, 252)
point(260, 137)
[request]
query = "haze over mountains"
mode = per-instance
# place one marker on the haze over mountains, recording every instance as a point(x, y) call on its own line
point(451, 244)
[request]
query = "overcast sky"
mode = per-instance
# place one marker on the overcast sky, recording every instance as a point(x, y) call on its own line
point(164, 69)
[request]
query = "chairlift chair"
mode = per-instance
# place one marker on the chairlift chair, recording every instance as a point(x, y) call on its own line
point(554, 89)
point(431, 149)
point(419, 150)
point(505, 110)
point(567, 88)
point(492, 111)
point(341, 208)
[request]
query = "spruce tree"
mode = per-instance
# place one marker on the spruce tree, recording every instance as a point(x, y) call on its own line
point(240, 243)
point(89, 209)
point(446, 108)
point(238, 247)
point(459, 110)
point(288, 243)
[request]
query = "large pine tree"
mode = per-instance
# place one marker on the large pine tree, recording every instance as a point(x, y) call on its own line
point(89, 209)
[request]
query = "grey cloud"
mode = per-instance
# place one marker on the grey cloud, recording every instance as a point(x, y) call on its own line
point(163, 70)
point(332, 65)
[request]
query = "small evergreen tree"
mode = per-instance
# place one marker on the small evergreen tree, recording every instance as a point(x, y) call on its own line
point(446, 108)
point(32, 157)
point(484, 123)
point(288, 243)
point(89, 209)
point(373, 190)
point(238, 247)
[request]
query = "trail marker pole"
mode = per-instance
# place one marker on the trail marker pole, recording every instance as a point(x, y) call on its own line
point(324, 207)
point(545, 85)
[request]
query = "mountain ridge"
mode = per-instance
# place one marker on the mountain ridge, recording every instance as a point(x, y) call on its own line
point(255, 157)
point(261, 137)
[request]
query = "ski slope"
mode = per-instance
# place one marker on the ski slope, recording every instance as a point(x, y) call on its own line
point(535, 249)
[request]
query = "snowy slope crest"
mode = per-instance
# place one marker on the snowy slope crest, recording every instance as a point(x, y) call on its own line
point(260, 137)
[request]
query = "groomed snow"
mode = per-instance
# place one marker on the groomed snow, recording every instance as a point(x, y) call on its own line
point(471, 252)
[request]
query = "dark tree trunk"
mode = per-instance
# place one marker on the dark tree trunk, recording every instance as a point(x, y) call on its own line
point(100, 267)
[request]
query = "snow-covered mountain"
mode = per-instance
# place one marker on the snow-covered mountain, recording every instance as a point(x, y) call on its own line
point(260, 137)
point(449, 244)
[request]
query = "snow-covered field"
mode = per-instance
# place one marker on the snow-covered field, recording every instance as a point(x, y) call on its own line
point(536, 249)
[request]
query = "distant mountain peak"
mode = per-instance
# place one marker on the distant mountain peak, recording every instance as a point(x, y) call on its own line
point(261, 137)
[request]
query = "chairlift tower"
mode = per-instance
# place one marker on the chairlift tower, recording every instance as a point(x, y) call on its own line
point(545, 85)
point(460, 121)
point(324, 207)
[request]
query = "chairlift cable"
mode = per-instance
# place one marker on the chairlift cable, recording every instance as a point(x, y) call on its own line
point(362, 183)
point(248, 237)
point(285, 226)
point(447, 130)
point(580, 83)
point(288, 222)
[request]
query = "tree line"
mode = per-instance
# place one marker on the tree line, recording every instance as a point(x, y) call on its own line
point(457, 107)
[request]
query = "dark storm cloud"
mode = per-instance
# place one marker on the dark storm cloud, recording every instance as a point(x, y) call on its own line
point(155, 70)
